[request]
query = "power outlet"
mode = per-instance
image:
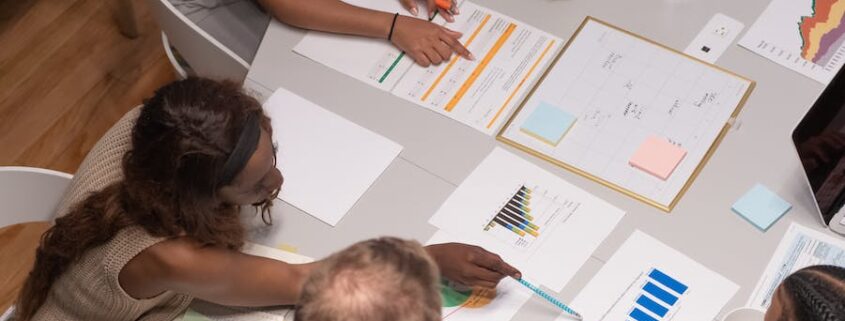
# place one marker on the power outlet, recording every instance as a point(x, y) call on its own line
point(715, 38)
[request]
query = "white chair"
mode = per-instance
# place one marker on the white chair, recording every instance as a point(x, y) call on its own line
point(205, 56)
point(30, 194)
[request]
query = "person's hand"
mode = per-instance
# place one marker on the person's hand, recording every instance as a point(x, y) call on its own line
point(411, 6)
point(427, 43)
point(470, 265)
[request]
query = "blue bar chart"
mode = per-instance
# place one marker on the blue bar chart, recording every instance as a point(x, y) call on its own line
point(657, 297)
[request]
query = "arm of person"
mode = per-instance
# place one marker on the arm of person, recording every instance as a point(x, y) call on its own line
point(213, 274)
point(425, 42)
point(471, 265)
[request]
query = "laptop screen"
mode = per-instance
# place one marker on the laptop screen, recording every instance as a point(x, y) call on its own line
point(820, 141)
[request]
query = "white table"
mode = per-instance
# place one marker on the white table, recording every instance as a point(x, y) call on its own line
point(439, 153)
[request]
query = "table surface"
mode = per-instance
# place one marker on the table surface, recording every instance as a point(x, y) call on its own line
point(439, 153)
point(17, 254)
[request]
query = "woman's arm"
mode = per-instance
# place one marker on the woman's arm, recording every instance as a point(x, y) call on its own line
point(425, 42)
point(213, 274)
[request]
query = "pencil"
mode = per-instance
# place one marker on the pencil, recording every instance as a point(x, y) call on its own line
point(551, 299)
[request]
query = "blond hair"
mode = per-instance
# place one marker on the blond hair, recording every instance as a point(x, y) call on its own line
point(384, 279)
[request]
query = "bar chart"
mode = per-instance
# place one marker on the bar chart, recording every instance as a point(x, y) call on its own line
point(657, 297)
point(515, 215)
point(526, 215)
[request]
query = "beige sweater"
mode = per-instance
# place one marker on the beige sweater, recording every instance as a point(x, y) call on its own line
point(89, 289)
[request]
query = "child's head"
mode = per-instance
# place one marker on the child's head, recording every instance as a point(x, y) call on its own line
point(385, 279)
point(816, 293)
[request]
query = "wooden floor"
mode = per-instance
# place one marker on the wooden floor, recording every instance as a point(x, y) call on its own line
point(67, 74)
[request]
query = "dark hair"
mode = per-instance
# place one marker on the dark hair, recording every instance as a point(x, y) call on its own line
point(815, 293)
point(183, 137)
point(385, 279)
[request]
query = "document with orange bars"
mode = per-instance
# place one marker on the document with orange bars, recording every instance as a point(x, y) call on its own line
point(510, 57)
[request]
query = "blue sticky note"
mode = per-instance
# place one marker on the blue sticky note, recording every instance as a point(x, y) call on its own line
point(548, 123)
point(761, 207)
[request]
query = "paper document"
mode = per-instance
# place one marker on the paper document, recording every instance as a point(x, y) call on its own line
point(478, 304)
point(205, 311)
point(647, 280)
point(539, 223)
point(800, 247)
point(510, 57)
point(623, 90)
point(807, 36)
point(328, 162)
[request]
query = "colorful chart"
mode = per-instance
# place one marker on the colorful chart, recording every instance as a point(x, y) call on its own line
point(822, 32)
point(807, 36)
point(515, 215)
point(471, 299)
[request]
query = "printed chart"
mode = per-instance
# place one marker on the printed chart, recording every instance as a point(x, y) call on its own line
point(470, 304)
point(481, 93)
point(528, 215)
point(542, 225)
point(807, 36)
point(647, 280)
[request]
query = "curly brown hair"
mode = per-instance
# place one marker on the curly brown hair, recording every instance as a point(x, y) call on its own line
point(180, 143)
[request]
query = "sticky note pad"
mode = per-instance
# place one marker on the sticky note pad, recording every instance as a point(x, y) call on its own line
point(548, 123)
point(761, 207)
point(658, 157)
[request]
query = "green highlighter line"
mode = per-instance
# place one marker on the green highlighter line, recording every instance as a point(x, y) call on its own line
point(398, 59)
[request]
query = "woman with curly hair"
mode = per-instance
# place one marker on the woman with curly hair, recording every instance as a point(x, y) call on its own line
point(169, 231)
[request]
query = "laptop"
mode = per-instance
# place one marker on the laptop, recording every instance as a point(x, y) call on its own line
point(820, 142)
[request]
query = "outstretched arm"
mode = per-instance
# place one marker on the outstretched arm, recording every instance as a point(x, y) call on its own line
point(425, 42)
point(213, 274)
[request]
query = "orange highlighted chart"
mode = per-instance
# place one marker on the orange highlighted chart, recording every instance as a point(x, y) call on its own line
point(807, 36)
point(510, 57)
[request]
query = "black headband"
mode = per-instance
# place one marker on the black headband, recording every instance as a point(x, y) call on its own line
point(245, 147)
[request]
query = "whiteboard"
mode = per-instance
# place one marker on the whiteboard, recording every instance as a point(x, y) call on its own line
point(621, 89)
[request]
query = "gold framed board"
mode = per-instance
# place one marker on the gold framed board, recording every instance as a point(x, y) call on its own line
point(647, 200)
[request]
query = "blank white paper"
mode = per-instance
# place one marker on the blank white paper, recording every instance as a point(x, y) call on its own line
point(328, 162)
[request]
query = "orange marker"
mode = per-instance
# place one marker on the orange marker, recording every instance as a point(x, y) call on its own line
point(450, 6)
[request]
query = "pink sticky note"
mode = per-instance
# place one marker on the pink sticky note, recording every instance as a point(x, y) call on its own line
point(658, 157)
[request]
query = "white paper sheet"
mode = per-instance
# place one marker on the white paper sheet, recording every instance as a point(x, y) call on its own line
point(633, 274)
point(509, 297)
point(800, 247)
point(623, 90)
point(510, 57)
point(807, 36)
point(571, 223)
point(328, 162)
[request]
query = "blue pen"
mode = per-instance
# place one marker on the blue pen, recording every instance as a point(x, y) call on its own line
point(551, 299)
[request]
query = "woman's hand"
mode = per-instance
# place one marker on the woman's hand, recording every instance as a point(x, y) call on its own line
point(427, 43)
point(470, 265)
point(411, 6)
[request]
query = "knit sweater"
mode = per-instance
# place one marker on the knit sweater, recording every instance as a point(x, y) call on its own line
point(89, 289)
